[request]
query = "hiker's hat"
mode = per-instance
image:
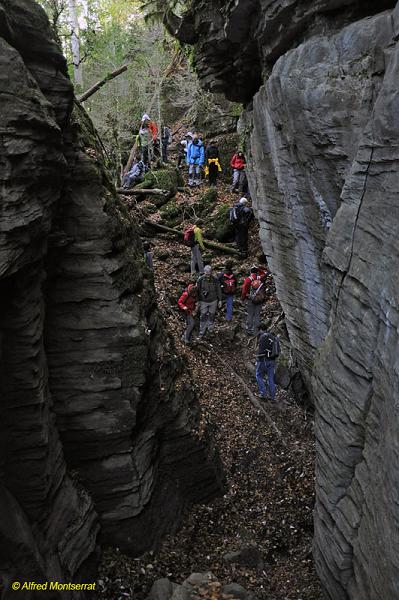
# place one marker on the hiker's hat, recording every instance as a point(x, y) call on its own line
point(243, 200)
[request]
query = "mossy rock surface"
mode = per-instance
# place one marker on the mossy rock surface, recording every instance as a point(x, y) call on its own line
point(220, 227)
point(206, 203)
point(172, 213)
point(168, 178)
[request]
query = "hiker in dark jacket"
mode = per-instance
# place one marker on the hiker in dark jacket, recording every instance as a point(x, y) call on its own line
point(148, 254)
point(212, 164)
point(210, 298)
point(166, 140)
point(228, 284)
point(244, 216)
point(254, 295)
point(268, 351)
point(187, 303)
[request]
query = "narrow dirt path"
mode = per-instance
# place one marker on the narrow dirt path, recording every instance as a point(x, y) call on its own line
point(269, 500)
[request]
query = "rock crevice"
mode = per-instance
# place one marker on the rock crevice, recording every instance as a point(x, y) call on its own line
point(99, 422)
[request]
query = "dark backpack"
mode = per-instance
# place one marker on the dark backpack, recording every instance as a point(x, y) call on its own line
point(257, 292)
point(189, 237)
point(270, 346)
point(245, 216)
point(229, 284)
point(234, 214)
point(212, 152)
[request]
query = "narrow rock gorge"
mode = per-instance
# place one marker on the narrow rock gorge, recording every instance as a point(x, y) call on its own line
point(318, 80)
point(100, 436)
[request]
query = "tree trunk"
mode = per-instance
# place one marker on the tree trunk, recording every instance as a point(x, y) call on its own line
point(143, 192)
point(75, 42)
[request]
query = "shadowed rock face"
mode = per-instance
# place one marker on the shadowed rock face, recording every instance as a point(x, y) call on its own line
point(321, 131)
point(99, 424)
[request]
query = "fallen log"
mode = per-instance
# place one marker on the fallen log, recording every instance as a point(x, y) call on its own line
point(143, 192)
point(207, 243)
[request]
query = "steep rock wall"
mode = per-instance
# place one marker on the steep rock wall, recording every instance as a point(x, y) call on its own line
point(99, 424)
point(320, 126)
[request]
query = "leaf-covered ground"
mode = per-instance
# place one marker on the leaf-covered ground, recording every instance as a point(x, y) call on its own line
point(270, 478)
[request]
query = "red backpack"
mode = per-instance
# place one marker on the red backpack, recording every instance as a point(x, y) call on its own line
point(189, 237)
point(257, 293)
point(229, 284)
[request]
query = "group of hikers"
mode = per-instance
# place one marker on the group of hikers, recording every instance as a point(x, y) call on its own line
point(207, 295)
point(207, 292)
point(202, 160)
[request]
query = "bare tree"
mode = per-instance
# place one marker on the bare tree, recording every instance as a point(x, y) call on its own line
point(75, 42)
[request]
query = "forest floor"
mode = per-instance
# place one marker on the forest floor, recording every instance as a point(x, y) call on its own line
point(270, 477)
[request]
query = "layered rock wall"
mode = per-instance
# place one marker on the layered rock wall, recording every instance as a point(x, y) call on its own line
point(99, 424)
point(321, 132)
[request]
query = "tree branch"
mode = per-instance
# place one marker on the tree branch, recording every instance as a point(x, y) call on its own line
point(100, 84)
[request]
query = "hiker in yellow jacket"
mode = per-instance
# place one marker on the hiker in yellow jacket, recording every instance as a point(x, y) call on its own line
point(212, 164)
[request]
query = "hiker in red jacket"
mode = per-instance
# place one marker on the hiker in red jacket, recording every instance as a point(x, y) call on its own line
point(228, 283)
point(187, 303)
point(238, 165)
point(254, 294)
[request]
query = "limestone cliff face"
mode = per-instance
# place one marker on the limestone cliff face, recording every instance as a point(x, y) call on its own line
point(321, 131)
point(99, 424)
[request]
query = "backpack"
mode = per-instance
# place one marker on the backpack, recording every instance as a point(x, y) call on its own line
point(228, 284)
point(189, 237)
point(212, 152)
point(257, 293)
point(272, 346)
point(244, 216)
point(234, 214)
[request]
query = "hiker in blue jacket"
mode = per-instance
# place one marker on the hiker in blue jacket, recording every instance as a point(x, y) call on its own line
point(195, 161)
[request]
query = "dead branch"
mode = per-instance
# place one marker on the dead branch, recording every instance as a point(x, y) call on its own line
point(253, 399)
point(102, 82)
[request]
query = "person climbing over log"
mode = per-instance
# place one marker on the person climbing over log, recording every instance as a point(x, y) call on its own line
point(237, 163)
point(195, 161)
point(228, 284)
point(210, 299)
point(253, 294)
point(241, 216)
point(212, 164)
point(268, 352)
point(135, 175)
point(187, 303)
